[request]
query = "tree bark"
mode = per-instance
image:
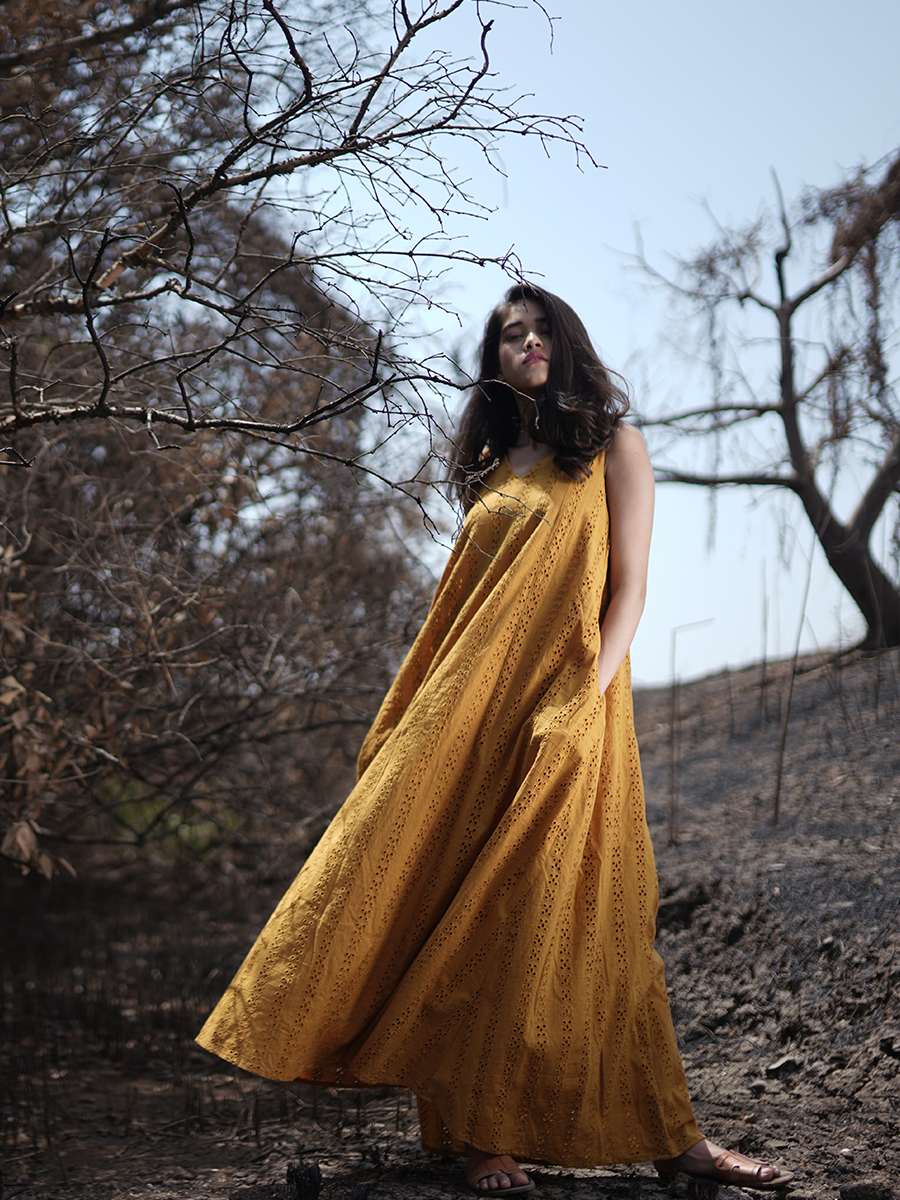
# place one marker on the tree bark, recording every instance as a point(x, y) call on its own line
point(851, 560)
point(846, 546)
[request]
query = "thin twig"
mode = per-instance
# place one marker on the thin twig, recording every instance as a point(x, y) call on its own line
point(17, 461)
point(787, 707)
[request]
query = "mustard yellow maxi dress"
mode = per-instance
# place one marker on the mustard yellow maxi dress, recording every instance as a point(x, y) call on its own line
point(477, 923)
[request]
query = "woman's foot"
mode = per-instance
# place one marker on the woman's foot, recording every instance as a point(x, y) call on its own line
point(706, 1160)
point(490, 1173)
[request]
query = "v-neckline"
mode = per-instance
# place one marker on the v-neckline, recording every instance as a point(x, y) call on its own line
point(533, 467)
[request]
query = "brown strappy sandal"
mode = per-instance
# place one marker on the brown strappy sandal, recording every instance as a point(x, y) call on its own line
point(730, 1168)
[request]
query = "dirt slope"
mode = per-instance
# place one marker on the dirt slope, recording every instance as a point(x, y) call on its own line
point(781, 943)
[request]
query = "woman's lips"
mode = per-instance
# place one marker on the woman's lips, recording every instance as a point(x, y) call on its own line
point(532, 358)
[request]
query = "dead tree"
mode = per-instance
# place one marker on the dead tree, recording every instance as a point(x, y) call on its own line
point(146, 160)
point(192, 644)
point(830, 398)
point(213, 220)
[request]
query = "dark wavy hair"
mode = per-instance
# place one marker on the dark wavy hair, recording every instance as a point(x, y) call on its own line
point(577, 415)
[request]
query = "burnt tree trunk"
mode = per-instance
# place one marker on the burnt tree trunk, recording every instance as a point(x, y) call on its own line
point(849, 557)
point(846, 547)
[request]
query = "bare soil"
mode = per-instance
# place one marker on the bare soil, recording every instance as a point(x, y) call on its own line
point(781, 943)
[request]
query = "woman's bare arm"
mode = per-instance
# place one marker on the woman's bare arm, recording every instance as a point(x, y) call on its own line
point(629, 494)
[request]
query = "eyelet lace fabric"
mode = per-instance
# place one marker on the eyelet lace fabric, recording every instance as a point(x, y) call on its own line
point(477, 923)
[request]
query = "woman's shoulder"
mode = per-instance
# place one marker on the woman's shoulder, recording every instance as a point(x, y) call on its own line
point(627, 462)
point(626, 439)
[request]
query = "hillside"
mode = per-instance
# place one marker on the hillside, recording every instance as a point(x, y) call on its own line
point(781, 943)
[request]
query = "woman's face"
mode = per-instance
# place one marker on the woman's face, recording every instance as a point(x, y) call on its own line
point(525, 348)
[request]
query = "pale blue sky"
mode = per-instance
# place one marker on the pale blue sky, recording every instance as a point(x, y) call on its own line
point(685, 104)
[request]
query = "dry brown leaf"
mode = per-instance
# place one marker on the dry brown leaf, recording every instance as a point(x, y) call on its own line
point(20, 842)
point(46, 864)
point(33, 762)
point(13, 689)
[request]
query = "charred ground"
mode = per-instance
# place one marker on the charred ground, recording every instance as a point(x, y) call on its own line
point(781, 943)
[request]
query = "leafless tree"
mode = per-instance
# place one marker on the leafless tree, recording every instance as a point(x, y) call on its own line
point(191, 643)
point(213, 220)
point(829, 400)
point(194, 191)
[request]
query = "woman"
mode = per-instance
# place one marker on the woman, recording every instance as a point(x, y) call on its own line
point(477, 923)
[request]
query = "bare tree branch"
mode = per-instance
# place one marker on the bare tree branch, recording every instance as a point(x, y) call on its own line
point(749, 479)
point(882, 485)
point(155, 16)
